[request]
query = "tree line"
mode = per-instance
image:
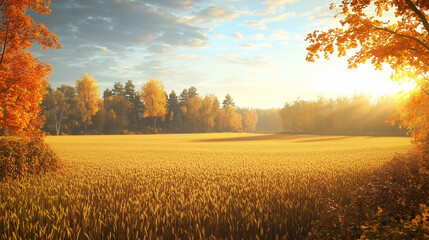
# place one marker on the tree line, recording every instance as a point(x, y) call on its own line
point(357, 115)
point(125, 110)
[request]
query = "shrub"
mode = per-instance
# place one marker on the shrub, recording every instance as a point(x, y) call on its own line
point(391, 200)
point(20, 158)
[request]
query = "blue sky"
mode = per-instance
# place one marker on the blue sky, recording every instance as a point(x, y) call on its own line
point(253, 50)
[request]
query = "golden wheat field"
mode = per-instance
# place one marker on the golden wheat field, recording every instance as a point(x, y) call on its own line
point(191, 186)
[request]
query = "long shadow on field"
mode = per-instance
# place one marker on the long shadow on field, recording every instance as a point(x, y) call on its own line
point(323, 139)
point(253, 138)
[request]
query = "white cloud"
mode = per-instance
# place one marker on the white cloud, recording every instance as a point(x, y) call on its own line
point(256, 37)
point(274, 4)
point(280, 35)
point(221, 36)
point(279, 17)
point(297, 36)
point(187, 57)
point(248, 45)
point(255, 24)
point(237, 35)
point(266, 44)
point(271, 7)
point(257, 62)
point(212, 14)
point(268, 11)
point(104, 49)
point(261, 24)
point(322, 18)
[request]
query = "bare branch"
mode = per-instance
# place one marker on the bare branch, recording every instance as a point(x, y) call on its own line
point(403, 35)
point(419, 13)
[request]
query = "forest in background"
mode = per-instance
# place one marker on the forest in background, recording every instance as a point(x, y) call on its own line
point(125, 110)
point(357, 115)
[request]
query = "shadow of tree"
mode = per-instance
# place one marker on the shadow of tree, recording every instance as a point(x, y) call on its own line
point(323, 139)
point(253, 138)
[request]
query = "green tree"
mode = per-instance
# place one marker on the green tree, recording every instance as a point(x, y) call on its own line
point(228, 102)
point(72, 118)
point(56, 105)
point(118, 89)
point(107, 93)
point(117, 108)
point(100, 117)
point(173, 111)
point(136, 104)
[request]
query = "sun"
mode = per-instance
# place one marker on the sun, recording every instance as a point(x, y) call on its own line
point(364, 79)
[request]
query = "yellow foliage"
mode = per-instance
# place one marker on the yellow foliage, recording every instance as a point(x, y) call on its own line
point(88, 96)
point(154, 98)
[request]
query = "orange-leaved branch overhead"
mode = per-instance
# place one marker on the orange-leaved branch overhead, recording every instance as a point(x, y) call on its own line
point(392, 32)
point(23, 77)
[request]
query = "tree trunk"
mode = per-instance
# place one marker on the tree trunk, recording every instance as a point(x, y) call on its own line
point(135, 119)
point(154, 124)
point(4, 43)
point(195, 125)
point(58, 122)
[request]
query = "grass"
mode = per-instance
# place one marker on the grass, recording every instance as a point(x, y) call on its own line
point(243, 186)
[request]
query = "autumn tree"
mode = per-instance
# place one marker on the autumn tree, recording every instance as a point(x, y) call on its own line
point(208, 112)
point(194, 105)
point(55, 106)
point(217, 126)
point(155, 100)
point(23, 77)
point(117, 108)
point(249, 120)
point(136, 104)
point(401, 42)
point(100, 117)
point(231, 120)
point(88, 96)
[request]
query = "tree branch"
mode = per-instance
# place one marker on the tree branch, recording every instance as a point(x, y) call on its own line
point(419, 13)
point(422, 88)
point(419, 51)
point(4, 44)
point(402, 35)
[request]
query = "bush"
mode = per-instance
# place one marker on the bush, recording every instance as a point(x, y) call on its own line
point(386, 207)
point(20, 158)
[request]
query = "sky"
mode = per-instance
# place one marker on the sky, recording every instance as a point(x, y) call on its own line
point(253, 50)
